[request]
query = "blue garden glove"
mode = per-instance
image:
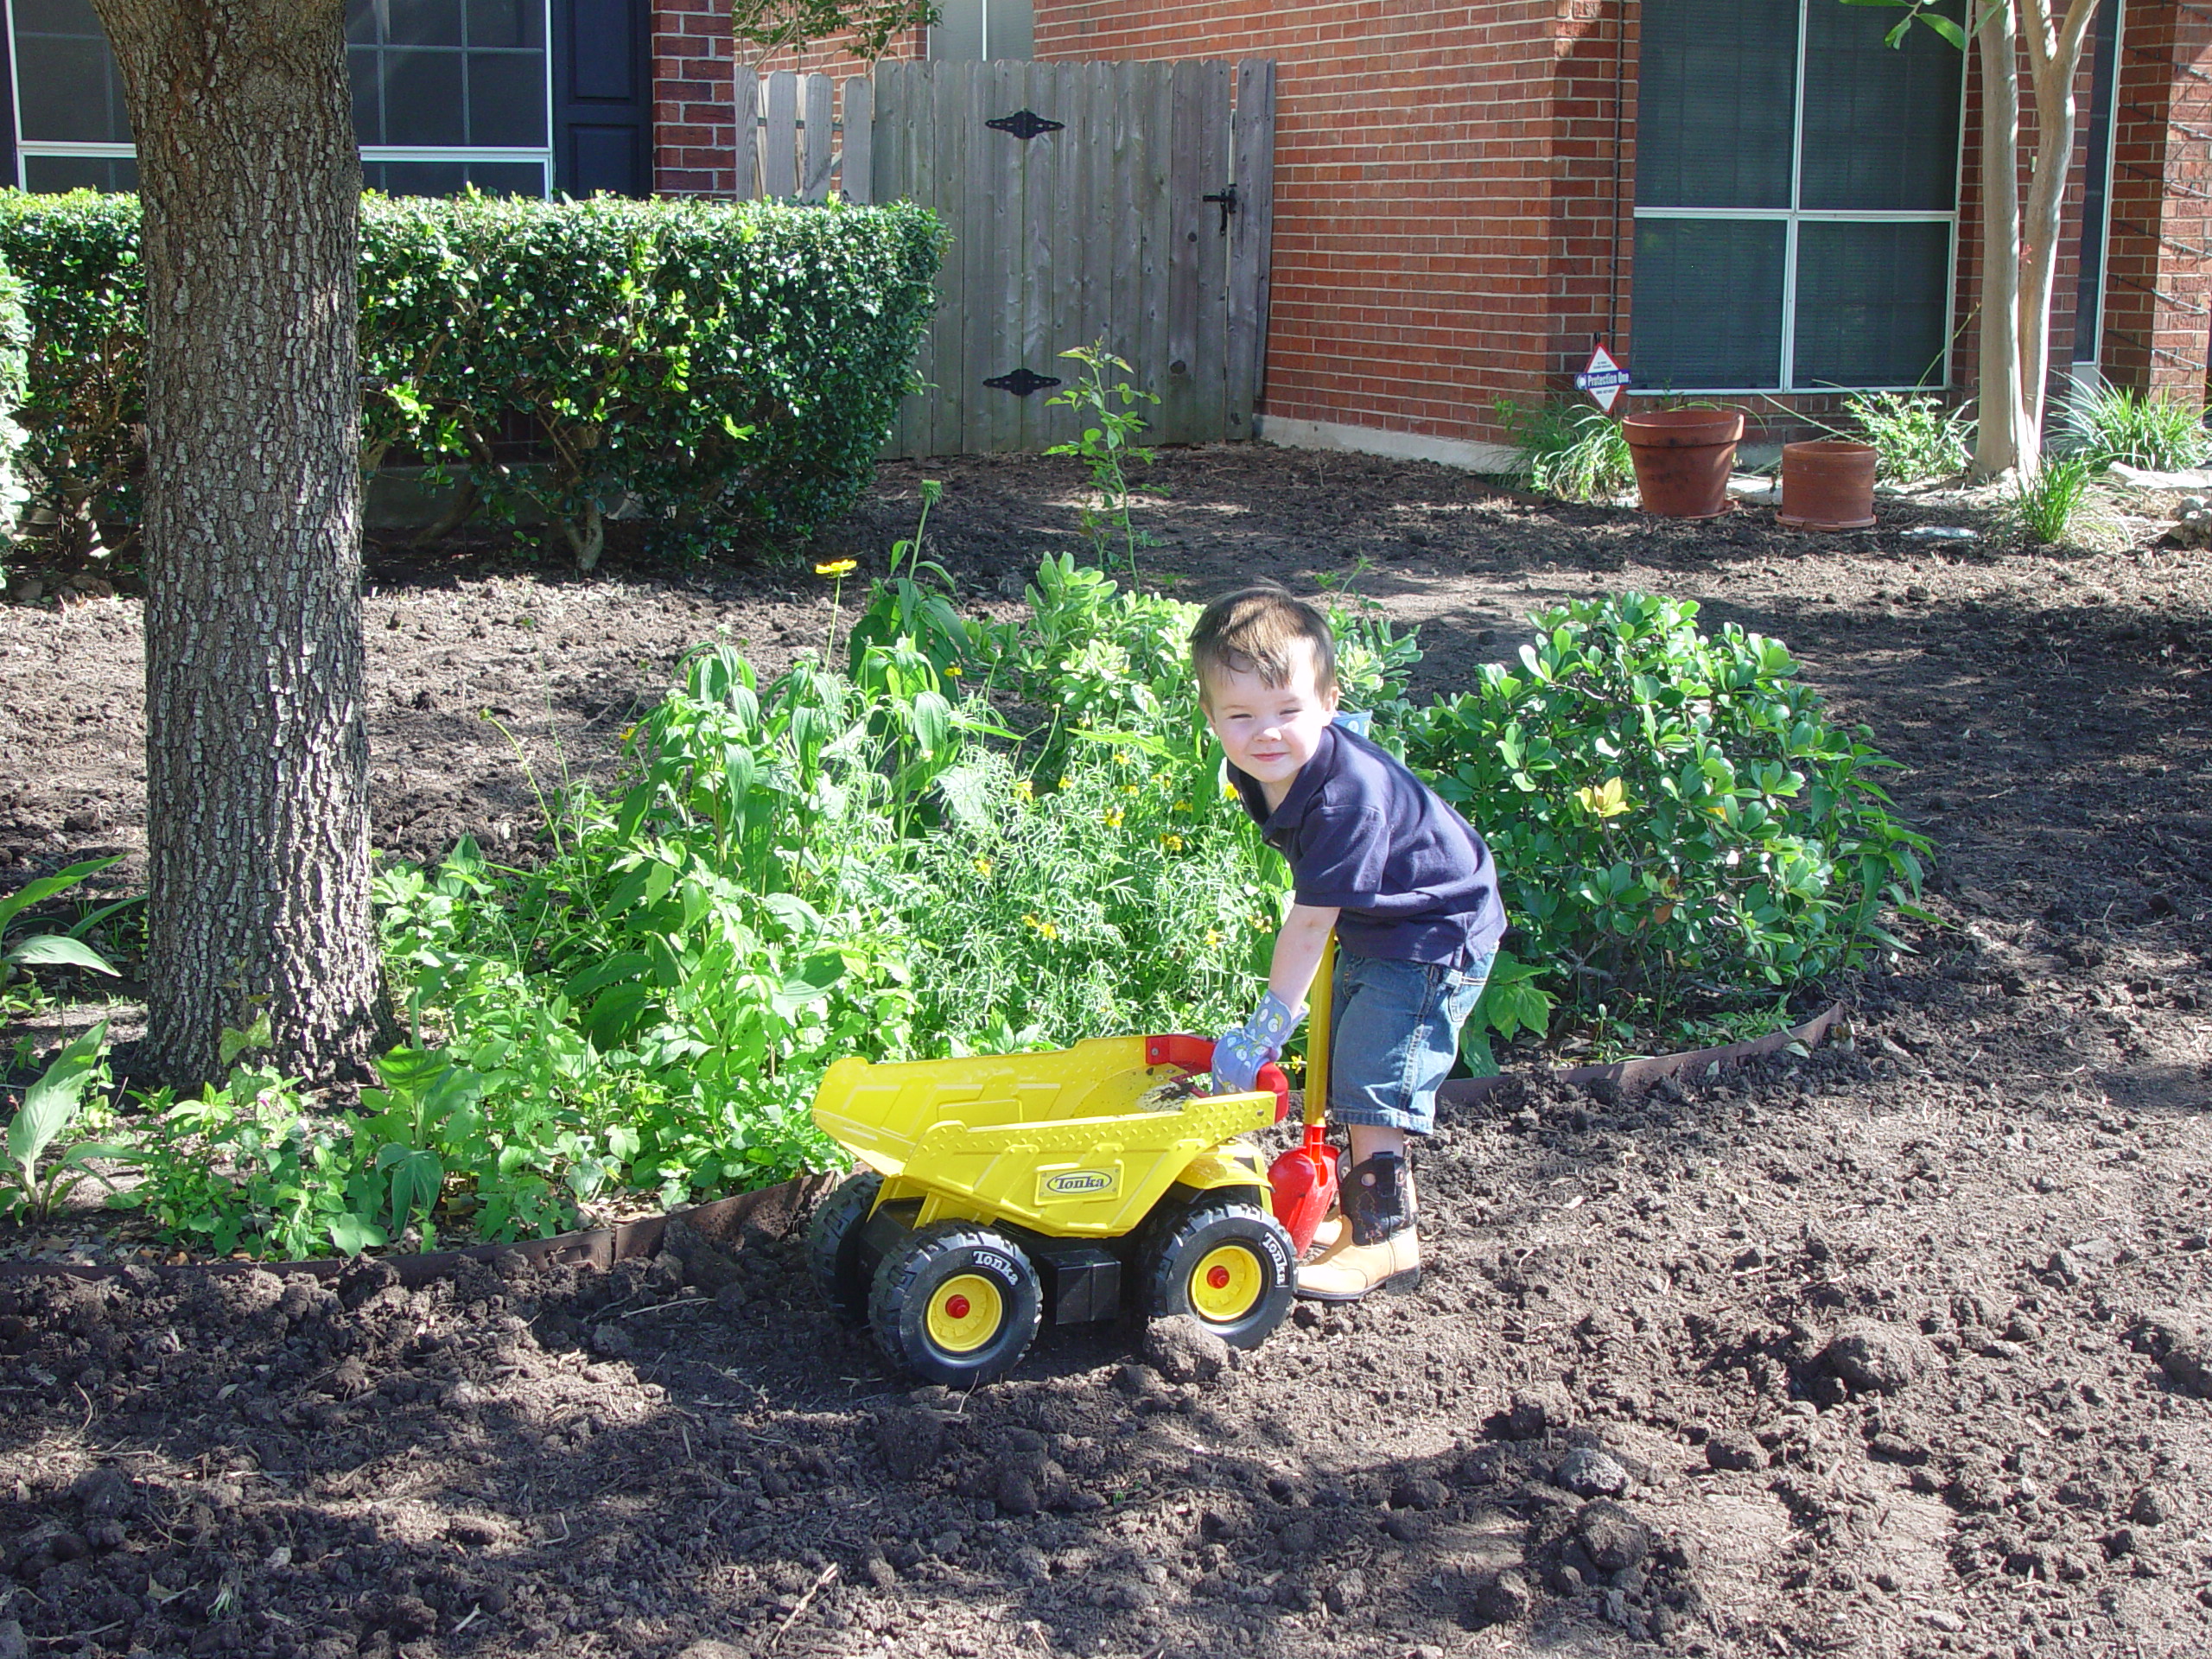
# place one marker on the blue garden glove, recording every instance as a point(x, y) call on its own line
point(1239, 1054)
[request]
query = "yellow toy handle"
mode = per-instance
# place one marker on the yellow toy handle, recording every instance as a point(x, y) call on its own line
point(1316, 1037)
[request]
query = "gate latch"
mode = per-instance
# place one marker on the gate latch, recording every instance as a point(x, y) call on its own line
point(1228, 200)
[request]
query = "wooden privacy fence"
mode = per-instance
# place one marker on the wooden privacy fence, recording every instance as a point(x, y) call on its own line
point(1131, 203)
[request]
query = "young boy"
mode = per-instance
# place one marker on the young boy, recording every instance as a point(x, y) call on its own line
point(1410, 887)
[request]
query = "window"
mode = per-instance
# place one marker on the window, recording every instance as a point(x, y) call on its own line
point(981, 29)
point(1796, 197)
point(446, 92)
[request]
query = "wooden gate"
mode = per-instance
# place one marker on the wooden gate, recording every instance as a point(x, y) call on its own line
point(1126, 202)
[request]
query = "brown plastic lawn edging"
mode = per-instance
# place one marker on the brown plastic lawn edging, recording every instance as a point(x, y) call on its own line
point(773, 1210)
point(769, 1210)
point(1627, 1074)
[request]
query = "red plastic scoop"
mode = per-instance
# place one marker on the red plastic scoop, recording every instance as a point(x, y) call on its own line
point(1305, 1177)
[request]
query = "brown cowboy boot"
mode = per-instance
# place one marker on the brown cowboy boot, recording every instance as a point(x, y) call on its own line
point(1379, 1250)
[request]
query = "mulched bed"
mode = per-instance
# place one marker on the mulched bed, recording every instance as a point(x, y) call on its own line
point(1895, 1348)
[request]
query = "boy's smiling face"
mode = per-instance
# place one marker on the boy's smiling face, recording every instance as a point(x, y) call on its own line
point(1269, 732)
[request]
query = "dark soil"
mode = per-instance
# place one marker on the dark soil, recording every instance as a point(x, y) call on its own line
point(1899, 1347)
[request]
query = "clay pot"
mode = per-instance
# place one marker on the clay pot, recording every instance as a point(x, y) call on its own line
point(1683, 457)
point(1828, 483)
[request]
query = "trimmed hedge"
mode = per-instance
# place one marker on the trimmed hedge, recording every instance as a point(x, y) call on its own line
point(730, 369)
point(15, 370)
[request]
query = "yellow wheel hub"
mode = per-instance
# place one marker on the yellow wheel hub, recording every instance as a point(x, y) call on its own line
point(965, 1312)
point(1226, 1284)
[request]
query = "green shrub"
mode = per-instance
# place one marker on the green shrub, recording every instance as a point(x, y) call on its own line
point(2113, 423)
point(729, 369)
point(14, 373)
point(1915, 439)
point(1570, 449)
point(1679, 831)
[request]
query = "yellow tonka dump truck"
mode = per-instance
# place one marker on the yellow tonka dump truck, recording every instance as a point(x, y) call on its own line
point(995, 1192)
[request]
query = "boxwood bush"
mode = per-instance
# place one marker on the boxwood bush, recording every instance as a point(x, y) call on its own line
point(726, 369)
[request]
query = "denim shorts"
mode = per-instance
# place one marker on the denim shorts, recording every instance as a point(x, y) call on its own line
point(1393, 1031)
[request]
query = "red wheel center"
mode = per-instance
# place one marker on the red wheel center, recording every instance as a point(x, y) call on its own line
point(1217, 1277)
point(956, 1307)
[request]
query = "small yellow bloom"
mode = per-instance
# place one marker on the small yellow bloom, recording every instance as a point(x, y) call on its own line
point(1182, 806)
point(984, 867)
point(1173, 843)
point(837, 567)
point(1228, 790)
point(1023, 788)
point(1129, 789)
point(1113, 818)
point(1213, 935)
point(1042, 928)
point(1123, 758)
point(628, 732)
point(952, 671)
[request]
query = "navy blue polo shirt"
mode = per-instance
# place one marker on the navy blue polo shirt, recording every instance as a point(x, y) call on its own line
point(1364, 835)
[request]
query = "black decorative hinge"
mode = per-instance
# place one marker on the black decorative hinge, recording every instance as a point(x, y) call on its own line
point(1228, 200)
point(1022, 382)
point(1025, 124)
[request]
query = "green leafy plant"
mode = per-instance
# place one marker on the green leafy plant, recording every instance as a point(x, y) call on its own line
point(1679, 830)
point(1570, 449)
point(1107, 446)
point(1915, 439)
point(27, 1192)
point(2153, 431)
point(772, 25)
point(65, 949)
point(1511, 1003)
point(2055, 503)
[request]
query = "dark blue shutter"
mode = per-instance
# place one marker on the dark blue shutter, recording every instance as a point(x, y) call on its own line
point(602, 98)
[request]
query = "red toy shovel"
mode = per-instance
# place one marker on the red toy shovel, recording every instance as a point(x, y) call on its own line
point(1305, 1177)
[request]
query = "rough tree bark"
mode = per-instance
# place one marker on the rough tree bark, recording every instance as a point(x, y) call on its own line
point(257, 763)
point(2001, 425)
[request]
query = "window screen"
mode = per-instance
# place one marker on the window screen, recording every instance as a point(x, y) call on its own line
point(1881, 123)
point(980, 30)
point(445, 74)
point(1716, 90)
point(1707, 303)
point(1872, 303)
point(68, 88)
point(52, 176)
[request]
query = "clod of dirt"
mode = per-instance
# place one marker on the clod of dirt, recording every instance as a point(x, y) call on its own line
point(1868, 1357)
point(705, 1264)
point(1735, 1452)
point(1615, 1539)
point(1588, 1472)
point(1418, 1492)
point(2188, 1361)
point(1348, 1592)
point(1502, 1600)
point(13, 1645)
point(2151, 1508)
point(710, 1649)
point(1183, 1350)
point(910, 1441)
point(1533, 1411)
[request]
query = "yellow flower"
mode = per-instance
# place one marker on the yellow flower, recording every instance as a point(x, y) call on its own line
point(1129, 789)
point(1213, 935)
point(1123, 758)
point(952, 671)
point(1023, 788)
point(1182, 806)
point(1228, 790)
point(836, 568)
point(1113, 818)
point(1173, 843)
point(984, 867)
point(1042, 928)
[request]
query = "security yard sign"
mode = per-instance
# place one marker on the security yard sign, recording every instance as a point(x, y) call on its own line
point(1603, 379)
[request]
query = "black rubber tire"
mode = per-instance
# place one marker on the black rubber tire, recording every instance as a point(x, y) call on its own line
point(833, 1245)
point(1172, 1252)
point(907, 1283)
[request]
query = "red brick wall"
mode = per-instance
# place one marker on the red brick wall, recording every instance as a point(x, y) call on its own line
point(2156, 322)
point(694, 130)
point(1417, 187)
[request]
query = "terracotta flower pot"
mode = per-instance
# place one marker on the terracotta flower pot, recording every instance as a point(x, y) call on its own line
point(1683, 457)
point(1828, 483)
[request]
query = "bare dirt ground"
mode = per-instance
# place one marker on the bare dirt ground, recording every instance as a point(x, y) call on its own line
point(1896, 1348)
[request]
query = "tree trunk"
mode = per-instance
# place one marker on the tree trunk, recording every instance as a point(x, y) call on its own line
point(2054, 58)
point(2004, 440)
point(256, 762)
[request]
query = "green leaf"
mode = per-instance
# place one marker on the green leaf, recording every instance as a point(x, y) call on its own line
point(57, 950)
point(52, 1100)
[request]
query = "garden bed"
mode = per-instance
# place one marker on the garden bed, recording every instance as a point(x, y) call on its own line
point(2002, 1169)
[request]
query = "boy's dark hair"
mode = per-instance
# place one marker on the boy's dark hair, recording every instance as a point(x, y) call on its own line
point(1258, 630)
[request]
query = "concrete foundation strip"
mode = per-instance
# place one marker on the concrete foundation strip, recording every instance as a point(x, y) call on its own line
point(773, 1211)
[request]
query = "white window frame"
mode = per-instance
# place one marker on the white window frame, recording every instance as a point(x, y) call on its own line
point(27, 149)
point(982, 29)
point(1793, 216)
